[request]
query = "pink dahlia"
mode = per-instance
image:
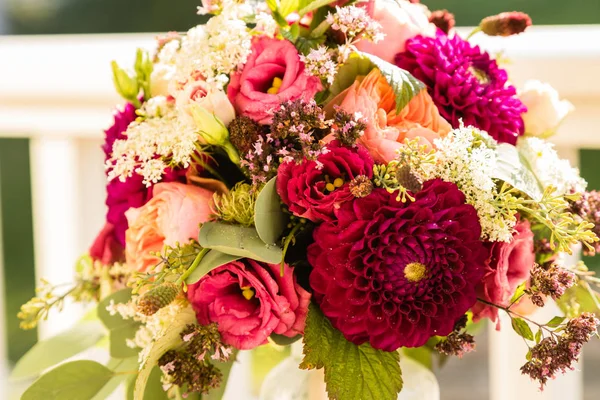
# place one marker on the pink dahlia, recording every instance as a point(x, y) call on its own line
point(394, 274)
point(315, 189)
point(465, 84)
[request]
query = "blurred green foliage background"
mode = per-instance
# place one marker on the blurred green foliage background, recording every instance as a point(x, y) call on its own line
point(107, 16)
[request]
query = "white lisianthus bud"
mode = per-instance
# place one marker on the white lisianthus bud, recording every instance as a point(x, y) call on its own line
point(213, 131)
point(545, 109)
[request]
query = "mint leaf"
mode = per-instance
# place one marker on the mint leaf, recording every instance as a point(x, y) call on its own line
point(522, 328)
point(351, 371)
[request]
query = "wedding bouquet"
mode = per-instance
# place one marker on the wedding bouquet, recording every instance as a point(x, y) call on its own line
point(355, 175)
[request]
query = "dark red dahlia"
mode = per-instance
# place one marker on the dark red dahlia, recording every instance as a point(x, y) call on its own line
point(465, 84)
point(394, 274)
point(315, 189)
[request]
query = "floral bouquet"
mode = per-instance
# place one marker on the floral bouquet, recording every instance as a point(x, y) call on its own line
point(355, 175)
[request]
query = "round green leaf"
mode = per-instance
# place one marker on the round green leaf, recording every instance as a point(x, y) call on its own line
point(58, 348)
point(120, 329)
point(77, 380)
point(212, 260)
point(270, 221)
point(117, 365)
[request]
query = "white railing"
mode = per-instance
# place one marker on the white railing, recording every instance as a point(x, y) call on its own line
point(57, 91)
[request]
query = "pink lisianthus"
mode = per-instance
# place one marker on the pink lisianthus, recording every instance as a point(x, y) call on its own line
point(249, 301)
point(401, 20)
point(173, 215)
point(509, 265)
point(304, 187)
point(270, 59)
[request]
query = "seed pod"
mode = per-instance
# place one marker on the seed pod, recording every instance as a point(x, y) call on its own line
point(157, 298)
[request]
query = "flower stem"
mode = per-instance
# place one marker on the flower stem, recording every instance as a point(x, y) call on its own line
point(473, 32)
point(513, 314)
point(286, 244)
point(192, 267)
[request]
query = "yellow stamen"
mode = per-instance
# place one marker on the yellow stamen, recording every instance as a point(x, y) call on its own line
point(330, 187)
point(273, 90)
point(415, 272)
point(338, 182)
point(277, 82)
point(247, 292)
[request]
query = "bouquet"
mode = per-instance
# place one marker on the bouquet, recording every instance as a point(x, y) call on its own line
point(355, 175)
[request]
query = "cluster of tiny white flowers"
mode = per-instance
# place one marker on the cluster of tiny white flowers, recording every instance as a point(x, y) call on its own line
point(318, 63)
point(469, 165)
point(149, 143)
point(355, 23)
point(266, 24)
point(549, 168)
point(216, 49)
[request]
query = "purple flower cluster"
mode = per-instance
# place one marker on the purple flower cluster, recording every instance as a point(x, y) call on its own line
point(549, 280)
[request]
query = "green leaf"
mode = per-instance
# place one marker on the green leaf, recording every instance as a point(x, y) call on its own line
point(212, 260)
point(305, 45)
point(58, 348)
point(519, 292)
point(286, 7)
point(282, 340)
point(404, 84)
point(167, 340)
point(348, 72)
point(238, 241)
point(308, 6)
point(422, 354)
point(351, 371)
point(555, 322)
point(538, 336)
point(77, 380)
point(522, 328)
point(225, 368)
point(120, 329)
point(123, 365)
point(514, 170)
point(272, 4)
point(269, 219)
point(579, 298)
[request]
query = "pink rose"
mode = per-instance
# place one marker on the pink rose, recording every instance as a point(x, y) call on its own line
point(271, 60)
point(212, 100)
point(249, 301)
point(509, 266)
point(400, 20)
point(106, 248)
point(172, 215)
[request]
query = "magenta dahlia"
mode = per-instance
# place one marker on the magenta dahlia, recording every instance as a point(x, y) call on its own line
point(315, 189)
point(465, 84)
point(394, 274)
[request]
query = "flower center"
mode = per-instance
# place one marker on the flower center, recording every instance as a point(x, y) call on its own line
point(480, 75)
point(275, 86)
point(415, 272)
point(247, 292)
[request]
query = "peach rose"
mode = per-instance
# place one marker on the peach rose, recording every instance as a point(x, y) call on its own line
point(374, 99)
point(401, 20)
point(172, 215)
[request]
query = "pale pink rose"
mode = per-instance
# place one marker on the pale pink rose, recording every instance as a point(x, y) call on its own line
point(400, 20)
point(173, 215)
point(545, 109)
point(212, 100)
point(509, 266)
point(249, 301)
point(270, 59)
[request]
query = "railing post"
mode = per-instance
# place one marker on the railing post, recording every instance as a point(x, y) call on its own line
point(3, 338)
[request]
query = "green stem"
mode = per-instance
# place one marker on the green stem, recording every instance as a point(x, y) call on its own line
point(286, 244)
point(473, 32)
point(178, 393)
point(512, 314)
point(207, 167)
point(192, 267)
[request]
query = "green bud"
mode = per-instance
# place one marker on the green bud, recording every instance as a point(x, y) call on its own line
point(157, 298)
point(126, 85)
point(213, 131)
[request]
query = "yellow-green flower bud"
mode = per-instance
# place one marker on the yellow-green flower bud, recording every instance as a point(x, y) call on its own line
point(127, 86)
point(157, 298)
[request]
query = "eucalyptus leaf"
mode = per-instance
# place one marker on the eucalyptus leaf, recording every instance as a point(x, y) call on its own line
point(269, 219)
point(120, 329)
point(56, 349)
point(121, 365)
point(282, 340)
point(514, 170)
point(212, 260)
point(522, 328)
point(76, 380)
point(238, 241)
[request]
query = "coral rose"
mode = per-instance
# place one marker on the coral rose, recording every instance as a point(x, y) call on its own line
point(272, 75)
point(249, 301)
point(509, 266)
point(400, 20)
point(305, 188)
point(173, 215)
point(374, 99)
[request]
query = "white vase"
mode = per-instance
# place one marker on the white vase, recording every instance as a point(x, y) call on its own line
point(287, 382)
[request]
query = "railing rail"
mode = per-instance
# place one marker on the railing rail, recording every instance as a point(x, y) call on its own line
point(57, 91)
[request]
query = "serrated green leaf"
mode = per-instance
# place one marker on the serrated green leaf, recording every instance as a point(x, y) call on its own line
point(121, 365)
point(76, 380)
point(514, 170)
point(305, 45)
point(308, 6)
point(56, 349)
point(119, 329)
point(518, 292)
point(351, 371)
point(522, 328)
point(555, 322)
point(538, 336)
point(168, 339)
point(269, 219)
point(282, 340)
point(212, 260)
point(238, 241)
point(405, 85)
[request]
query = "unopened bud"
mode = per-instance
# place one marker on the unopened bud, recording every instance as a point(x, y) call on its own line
point(505, 24)
point(443, 20)
point(157, 298)
point(126, 85)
